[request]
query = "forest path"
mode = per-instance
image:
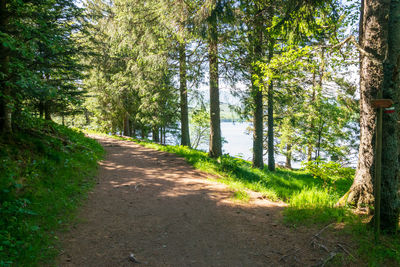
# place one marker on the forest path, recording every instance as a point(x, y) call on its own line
point(157, 206)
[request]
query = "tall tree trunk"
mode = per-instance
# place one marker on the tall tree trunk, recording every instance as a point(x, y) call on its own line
point(258, 134)
point(165, 135)
point(87, 116)
point(126, 124)
point(321, 119)
point(5, 91)
point(47, 110)
point(131, 129)
point(144, 133)
point(390, 157)
point(215, 123)
point(271, 156)
point(310, 147)
point(258, 144)
point(185, 137)
point(374, 19)
point(288, 163)
point(156, 134)
point(41, 109)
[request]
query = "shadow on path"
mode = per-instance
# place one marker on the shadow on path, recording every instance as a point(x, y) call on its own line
point(155, 205)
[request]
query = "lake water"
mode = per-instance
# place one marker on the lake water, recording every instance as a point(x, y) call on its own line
point(239, 143)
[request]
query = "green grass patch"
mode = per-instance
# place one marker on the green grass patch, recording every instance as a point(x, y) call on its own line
point(241, 195)
point(313, 205)
point(386, 252)
point(46, 170)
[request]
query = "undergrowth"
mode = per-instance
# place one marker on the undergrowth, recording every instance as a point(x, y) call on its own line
point(45, 171)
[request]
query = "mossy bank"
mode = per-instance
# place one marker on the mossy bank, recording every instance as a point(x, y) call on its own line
point(46, 170)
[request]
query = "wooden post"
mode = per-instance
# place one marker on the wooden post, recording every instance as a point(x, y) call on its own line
point(378, 174)
point(379, 104)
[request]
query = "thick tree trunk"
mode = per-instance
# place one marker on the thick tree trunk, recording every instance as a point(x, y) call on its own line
point(390, 157)
point(131, 129)
point(126, 124)
point(257, 93)
point(215, 124)
point(271, 156)
point(258, 144)
point(374, 21)
point(185, 137)
point(156, 134)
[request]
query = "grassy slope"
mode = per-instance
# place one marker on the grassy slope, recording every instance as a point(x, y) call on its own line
point(46, 170)
point(310, 199)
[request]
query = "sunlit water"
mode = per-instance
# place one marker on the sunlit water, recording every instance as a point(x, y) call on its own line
point(239, 143)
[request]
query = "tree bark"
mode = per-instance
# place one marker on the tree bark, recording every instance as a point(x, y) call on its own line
point(156, 134)
point(288, 163)
point(271, 156)
point(390, 156)
point(374, 19)
point(47, 110)
point(185, 137)
point(258, 123)
point(164, 132)
point(215, 149)
point(131, 129)
point(310, 147)
point(144, 133)
point(126, 124)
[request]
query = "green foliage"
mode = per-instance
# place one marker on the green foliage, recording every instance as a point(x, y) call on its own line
point(329, 171)
point(45, 169)
point(200, 128)
point(128, 75)
point(38, 55)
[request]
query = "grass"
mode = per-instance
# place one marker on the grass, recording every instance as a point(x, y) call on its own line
point(384, 253)
point(311, 199)
point(241, 195)
point(46, 170)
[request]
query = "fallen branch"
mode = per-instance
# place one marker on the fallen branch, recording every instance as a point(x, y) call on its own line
point(331, 256)
point(284, 256)
point(323, 229)
point(345, 250)
point(315, 244)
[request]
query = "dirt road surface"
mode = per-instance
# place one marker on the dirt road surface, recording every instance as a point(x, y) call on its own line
point(156, 206)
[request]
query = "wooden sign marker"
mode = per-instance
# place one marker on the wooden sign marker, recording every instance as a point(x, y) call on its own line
point(382, 103)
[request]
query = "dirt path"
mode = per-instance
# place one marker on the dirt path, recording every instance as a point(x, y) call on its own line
point(155, 205)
